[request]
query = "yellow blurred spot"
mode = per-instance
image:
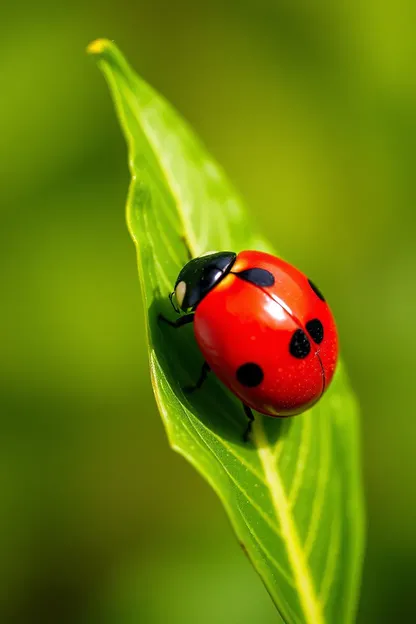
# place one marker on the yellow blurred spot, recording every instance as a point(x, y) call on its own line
point(98, 46)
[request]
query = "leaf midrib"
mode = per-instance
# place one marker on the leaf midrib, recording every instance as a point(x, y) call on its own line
point(154, 144)
point(310, 603)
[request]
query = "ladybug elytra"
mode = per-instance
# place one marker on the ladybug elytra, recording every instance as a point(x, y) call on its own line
point(264, 329)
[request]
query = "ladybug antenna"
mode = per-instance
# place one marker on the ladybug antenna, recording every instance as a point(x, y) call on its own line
point(177, 310)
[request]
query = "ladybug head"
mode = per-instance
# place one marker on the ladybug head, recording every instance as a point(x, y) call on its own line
point(199, 276)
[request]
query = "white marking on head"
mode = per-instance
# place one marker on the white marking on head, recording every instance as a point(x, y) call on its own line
point(180, 292)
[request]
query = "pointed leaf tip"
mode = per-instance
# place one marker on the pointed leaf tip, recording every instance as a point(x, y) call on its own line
point(98, 46)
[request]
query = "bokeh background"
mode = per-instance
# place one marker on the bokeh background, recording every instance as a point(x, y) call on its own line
point(311, 109)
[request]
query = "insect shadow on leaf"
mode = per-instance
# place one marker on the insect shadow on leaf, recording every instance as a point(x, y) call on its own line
point(178, 353)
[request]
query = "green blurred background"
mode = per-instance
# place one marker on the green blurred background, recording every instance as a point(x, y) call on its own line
point(310, 107)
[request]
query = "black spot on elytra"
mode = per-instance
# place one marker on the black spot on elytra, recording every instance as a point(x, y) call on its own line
point(250, 375)
point(299, 345)
point(258, 277)
point(315, 330)
point(316, 290)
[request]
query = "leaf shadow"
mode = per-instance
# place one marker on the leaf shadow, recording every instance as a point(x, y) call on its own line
point(214, 405)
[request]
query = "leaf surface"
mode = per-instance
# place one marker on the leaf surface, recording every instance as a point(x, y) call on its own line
point(293, 493)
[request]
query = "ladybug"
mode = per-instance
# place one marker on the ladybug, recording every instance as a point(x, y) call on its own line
point(263, 327)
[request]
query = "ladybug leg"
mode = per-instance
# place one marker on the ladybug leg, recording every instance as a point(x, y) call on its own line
point(183, 320)
point(250, 416)
point(204, 374)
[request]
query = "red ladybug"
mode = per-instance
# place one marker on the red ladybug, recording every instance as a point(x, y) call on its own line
point(264, 329)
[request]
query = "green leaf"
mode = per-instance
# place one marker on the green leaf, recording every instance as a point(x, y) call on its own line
point(293, 493)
